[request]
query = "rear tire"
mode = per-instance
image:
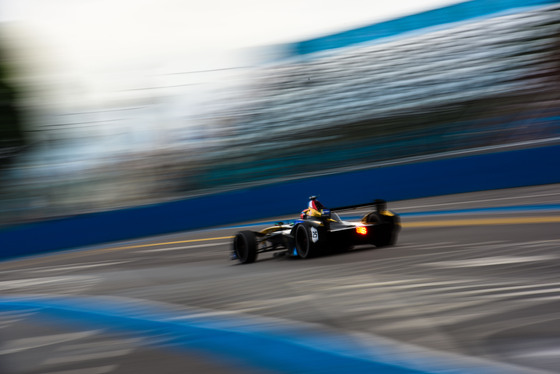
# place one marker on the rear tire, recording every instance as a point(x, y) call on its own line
point(386, 229)
point(385, 238)
point(307, 240)
point(245, 247)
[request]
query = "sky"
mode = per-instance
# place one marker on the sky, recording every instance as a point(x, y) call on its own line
point(105, 33)
point(89, 51)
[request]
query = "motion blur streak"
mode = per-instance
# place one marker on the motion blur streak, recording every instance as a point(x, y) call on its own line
point(361, 230)
point(466, 299)
point(166, 243)
point(483, 221)
point(86, 252)
point(270, 341)
point(89, 130)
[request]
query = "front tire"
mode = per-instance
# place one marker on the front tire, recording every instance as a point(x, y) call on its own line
point(245, 247)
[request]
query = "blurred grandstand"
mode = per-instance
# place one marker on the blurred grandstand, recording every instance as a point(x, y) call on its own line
point(479, 82)
point(476, 74)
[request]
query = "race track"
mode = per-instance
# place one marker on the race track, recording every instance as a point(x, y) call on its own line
point(471, 286)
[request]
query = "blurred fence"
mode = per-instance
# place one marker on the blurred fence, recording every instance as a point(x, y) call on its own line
point(481, 74)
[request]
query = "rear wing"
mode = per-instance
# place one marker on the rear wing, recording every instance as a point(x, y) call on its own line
point(379, 204)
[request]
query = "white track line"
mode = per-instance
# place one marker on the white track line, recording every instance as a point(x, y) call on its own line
point(183, 247)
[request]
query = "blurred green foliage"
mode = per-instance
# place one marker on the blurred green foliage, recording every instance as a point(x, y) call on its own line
point(12, 136)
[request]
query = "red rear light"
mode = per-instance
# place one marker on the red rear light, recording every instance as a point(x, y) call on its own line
point(361, 230)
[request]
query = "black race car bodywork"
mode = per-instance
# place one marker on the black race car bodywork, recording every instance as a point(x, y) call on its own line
point(312, 236)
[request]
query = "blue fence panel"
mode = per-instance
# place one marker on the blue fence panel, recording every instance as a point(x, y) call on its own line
point(515, 168)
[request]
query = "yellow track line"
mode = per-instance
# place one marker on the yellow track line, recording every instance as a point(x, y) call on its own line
point(166, 243)
point(88, 252)
point(482, 221)
point(419, 224)
point(446, 223)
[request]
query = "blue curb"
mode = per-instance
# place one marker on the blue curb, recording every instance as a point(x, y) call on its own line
point(283, 351)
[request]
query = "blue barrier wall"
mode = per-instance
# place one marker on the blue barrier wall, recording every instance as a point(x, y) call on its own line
point(515, 168)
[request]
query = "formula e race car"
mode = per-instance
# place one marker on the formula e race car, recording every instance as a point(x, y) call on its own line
point(319, 233)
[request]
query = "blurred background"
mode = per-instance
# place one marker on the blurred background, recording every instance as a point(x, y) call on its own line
point(114, 103)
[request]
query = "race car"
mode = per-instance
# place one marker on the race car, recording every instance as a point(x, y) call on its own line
point(319, 233)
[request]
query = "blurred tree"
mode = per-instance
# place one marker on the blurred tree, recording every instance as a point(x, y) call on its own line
point(12, 136)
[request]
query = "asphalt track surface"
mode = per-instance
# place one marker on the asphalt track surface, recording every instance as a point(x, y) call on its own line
point(472, 286)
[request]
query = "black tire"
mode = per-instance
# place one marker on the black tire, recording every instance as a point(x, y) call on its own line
point(386, 229)
point(385, 238)
point(306, 245)
point(245, 246)
point(373, 217)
